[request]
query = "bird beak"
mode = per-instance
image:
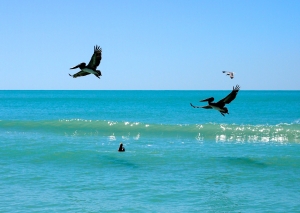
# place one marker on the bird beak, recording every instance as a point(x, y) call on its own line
point(81, 64)
point(208, 99)
point(75, 66)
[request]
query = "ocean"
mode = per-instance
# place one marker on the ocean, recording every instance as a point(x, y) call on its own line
point(58, 152)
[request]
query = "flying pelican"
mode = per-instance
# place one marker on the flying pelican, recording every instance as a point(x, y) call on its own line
point(229, 73)
point(220, 105)
point(92, 66)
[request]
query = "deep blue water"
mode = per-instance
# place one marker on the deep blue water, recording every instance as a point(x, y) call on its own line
point(58, 152)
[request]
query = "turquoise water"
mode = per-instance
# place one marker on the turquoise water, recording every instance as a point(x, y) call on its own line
point(58, 152)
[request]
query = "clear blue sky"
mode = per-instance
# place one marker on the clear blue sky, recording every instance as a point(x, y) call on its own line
point(157, 44)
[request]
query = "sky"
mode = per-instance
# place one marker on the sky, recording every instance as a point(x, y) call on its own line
point(151, 45)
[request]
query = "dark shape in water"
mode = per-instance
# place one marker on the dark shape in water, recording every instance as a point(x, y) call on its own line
point(121, 148)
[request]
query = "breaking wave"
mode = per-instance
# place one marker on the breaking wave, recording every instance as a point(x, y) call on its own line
point(282, 133)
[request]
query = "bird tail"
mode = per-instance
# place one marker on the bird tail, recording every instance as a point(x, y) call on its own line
point(98, 74)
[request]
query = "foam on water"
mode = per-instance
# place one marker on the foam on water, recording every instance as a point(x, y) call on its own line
point(210, 131)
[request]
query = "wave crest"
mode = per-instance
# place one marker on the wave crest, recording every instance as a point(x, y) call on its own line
point(282, 133)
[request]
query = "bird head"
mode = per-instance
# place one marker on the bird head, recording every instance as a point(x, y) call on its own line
point(209, 100)
point(81, 66)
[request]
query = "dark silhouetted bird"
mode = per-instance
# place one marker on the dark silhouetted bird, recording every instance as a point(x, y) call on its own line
point(92, 66)
point(220, 105)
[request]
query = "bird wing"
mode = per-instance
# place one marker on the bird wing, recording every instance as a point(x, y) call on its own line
point(79, 74)
point(231, 96)
point(205, 107)
point(96, 58)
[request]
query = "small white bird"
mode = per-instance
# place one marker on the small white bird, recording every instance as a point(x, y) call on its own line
point(229, 73)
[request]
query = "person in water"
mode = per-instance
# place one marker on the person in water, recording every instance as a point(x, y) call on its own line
point(121, 148)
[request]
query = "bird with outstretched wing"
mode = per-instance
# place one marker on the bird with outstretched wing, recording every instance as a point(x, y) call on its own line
point(230, 74)
point(220, 105)
point(91, 67)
